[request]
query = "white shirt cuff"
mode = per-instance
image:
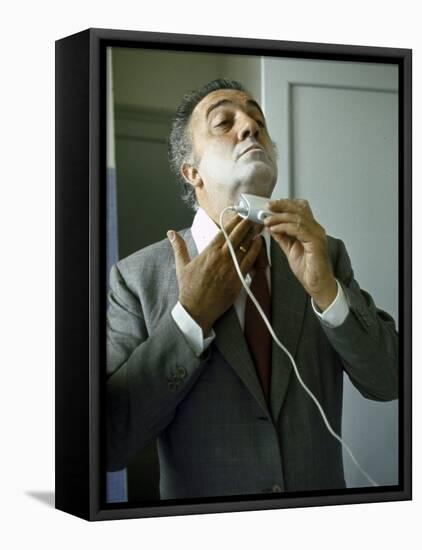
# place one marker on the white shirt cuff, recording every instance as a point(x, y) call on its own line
point(336, 312)
point(191, 330)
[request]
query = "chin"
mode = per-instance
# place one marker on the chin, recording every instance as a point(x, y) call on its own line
point(261, 187)
point(258, 180)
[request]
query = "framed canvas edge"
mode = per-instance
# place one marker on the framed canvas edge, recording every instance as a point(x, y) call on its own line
point(301, 49)
point(97, 39)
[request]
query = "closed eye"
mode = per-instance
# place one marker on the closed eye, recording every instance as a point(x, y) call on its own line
point(226, 122)
point(222, 123)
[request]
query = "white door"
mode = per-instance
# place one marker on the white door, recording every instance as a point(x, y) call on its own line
point(335, 125)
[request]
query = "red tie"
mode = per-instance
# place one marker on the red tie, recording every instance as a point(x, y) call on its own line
point(256, 332)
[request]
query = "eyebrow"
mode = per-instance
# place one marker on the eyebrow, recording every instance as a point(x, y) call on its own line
point(250, 102)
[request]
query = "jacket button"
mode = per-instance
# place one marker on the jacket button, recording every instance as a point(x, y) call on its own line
point(276, 488)
point(181, 372)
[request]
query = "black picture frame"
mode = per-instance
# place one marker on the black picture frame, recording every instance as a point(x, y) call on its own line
point(81, 282)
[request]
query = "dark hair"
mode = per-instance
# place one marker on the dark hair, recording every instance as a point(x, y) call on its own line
point(179, 143)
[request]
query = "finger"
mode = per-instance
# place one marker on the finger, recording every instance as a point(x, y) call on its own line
point(239, 233)
point(251, 255)
point(289, 217)
point(300, 231)
point(244, 245)
point(219, 239)
point(242, 249)
point(253, 234)
point(181, 254)
point(290, 205)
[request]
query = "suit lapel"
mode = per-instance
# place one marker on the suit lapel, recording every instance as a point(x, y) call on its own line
point(232, 344)
point(172, 293)
point(230, 340)
point(288, 308)
point(190, 243)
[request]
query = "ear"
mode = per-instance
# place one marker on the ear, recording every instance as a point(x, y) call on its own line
point(191, 175)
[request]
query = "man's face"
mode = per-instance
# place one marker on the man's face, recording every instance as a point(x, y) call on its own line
point(232, 150)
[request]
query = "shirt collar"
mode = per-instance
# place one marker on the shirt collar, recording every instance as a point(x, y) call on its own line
point(204, 230)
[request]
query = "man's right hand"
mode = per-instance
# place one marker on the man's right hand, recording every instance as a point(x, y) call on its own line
point(209, 283)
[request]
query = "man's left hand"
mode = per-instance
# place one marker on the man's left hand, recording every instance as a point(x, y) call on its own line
point(303, 240)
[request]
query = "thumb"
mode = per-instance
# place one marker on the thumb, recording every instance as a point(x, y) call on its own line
point(181, 254)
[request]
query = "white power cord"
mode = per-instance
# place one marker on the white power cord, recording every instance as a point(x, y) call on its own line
point(286, 351)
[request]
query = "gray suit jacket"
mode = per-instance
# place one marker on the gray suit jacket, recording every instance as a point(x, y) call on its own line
point(216, 434)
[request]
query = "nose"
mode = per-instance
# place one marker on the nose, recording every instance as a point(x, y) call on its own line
point(248, 127)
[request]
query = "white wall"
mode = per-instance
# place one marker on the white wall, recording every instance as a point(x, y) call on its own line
point(27, 230)
point(336, 126)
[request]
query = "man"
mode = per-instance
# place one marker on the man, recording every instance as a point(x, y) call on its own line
point(183, 365)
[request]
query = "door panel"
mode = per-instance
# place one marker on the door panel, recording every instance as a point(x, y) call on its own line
point(336, 126)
